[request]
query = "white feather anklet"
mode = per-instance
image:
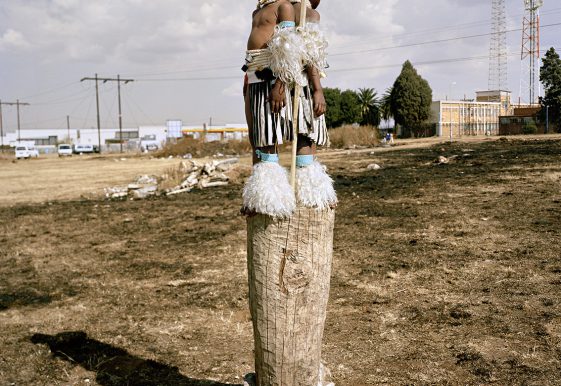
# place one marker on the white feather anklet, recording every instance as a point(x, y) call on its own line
point(314, 187)
point(267, 191)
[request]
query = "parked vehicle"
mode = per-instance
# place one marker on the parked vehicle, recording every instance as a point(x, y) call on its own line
point(26, 152)
point(82, 149)
point(64, 150)
point(148, 143)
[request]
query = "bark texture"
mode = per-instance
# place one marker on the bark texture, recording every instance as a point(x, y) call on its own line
point(289, 265)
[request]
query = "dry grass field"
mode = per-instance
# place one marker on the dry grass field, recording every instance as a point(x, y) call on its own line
point(444, 273)
point(51, 178)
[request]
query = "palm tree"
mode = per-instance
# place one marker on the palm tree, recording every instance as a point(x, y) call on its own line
point(385, 105)
point(369, 106)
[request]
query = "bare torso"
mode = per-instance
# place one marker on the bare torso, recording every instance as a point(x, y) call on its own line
point(265, 20)
point(312, 16)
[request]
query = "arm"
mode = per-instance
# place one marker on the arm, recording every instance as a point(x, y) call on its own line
point(318, 97)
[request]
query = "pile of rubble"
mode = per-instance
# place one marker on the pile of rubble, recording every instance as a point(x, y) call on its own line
point(192, 174)
point(200, 176)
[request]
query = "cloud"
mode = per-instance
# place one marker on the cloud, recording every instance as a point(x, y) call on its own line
point(233, 90)
point(57, 41)
point(12, 39)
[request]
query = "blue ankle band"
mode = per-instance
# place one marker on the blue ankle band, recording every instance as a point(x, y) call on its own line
point(286, 24)
point(266, 157)
point(304, 160)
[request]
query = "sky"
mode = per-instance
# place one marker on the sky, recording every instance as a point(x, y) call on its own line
point(185, 55)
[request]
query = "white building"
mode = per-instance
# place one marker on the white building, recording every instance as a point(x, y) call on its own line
point(46, 140)
point(471, 117)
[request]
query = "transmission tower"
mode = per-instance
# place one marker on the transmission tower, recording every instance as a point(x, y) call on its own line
point(498, 70)
point(530, 49)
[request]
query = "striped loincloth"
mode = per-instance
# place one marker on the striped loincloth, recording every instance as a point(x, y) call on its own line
point(269, 129)
point(312, 127)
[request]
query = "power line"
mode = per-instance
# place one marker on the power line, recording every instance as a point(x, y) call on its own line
point(202, 67)
point(105, 80)
point(49, 91)
point(434, 41)
point(209, 78)
point(18, 104)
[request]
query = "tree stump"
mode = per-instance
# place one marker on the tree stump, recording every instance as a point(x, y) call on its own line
point(289, 266)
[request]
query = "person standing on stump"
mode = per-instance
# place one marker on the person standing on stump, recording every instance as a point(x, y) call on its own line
point(275, 59)
point(289, 228)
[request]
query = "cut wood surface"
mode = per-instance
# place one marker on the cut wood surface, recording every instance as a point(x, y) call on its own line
point(289, 266)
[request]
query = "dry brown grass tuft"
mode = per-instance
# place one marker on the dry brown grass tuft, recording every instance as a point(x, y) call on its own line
point(199, 148)
point(346, 137)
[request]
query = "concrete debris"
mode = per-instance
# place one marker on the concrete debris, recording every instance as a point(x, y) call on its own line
point(195, 175)
point(146, 180)
point(178, 191)
point(209, 175)
point(190, 181)
point(177, 283)
point(208, 184)
point(144, 192)
point(116, 192)
point(226, 164)
point(373, 167)
point(209, 168)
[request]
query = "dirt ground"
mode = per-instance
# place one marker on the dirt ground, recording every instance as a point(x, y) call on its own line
point(444, 274)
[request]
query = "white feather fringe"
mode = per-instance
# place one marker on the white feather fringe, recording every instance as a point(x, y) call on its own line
point(287, 53)
point(268, 191)
point(315, 46)
point(314, 187)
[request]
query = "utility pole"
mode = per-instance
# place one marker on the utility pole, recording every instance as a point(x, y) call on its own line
point(105, 80)
point(17, 103)
point(120, 114)
point(68, 126)
point(97, 107)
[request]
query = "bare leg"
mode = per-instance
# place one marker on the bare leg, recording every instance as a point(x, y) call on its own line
point(249, 120)
point(305, 145)
point(264, 149)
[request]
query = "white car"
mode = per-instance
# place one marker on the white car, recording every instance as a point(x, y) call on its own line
point(26, 152)
point(81, 149)
point(64, 150)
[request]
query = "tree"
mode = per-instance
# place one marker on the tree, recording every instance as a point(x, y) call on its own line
point(411, 99)
point(369, 106)
point(385, 105)
point(350, 107)
point(550, 76)
point(333, 110)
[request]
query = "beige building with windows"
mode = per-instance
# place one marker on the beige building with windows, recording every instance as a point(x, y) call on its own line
point(471, 117)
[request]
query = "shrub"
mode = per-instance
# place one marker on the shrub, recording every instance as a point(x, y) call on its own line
point(529, 128)
point(347, 136)
point(199, 148)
